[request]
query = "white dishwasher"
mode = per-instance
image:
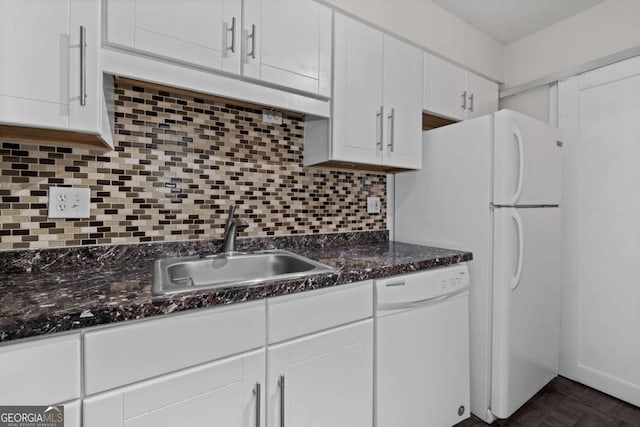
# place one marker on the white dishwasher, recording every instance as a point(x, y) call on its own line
point(422, 348)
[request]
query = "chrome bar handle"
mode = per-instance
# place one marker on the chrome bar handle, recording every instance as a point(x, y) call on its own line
point(281, 385)
point(256, 392)
point(251, 54)
point(83, 65)
point(379, 127)
point(471, 103)
point(232, 30)
point(392, 129)
point(464, 100)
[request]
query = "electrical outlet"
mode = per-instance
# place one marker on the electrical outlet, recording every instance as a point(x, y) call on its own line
point(272, 117)
point(373, 205)
point(69, 202)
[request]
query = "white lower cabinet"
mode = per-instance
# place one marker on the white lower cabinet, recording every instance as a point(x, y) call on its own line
point(72, 416)
point(40, 372)
point(225, 393)
point(307, 357)
point(324, 379)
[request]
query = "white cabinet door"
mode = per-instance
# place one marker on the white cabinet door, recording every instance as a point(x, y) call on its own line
point(482, 96)
point(446, 94)
point(43, 74)
point(200, 32)
point(403, 104)
point(358, 82)
point(452, 92)
point(225, 393)
point(322, 380)
point(288, 43)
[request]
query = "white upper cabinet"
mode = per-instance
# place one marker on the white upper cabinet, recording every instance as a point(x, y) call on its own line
point(377, 99)
point(358, 110)
point(288, 43)
point(452, 92)
point(49, 68)
point(200, 32)
point(443, 88)
point(402, 100)
point(482, 96)
point(282, 42)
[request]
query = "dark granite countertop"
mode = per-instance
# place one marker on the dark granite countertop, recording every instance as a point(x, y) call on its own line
point(47, 292)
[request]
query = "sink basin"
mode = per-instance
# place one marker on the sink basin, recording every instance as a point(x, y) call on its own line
point(172, 275)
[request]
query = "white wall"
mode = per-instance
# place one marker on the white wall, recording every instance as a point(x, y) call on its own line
point(534, 103)
point(605, 29)
point(432, 27)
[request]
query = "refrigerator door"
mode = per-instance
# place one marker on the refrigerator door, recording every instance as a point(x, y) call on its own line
point(526, 304)
point(527, 161)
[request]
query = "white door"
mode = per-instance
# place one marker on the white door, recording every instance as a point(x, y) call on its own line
point(358, 113)
point(288, 43)
point(422, 373)
point(322, 380)
point(527, 161)
point(42, 72)
point(403, 104)
point(599, 113)
point(228, 393)
point(200, 32)
point(482, 96)
point(526, 304)
point(444, 92)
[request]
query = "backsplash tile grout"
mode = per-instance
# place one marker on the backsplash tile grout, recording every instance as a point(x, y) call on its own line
point(180, 160)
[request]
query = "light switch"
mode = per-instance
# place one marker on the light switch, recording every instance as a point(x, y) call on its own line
point(69, 202)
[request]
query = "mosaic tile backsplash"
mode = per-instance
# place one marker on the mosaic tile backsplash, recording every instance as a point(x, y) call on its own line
point(180, 160)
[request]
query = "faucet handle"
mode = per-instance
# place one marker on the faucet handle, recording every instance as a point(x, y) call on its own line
point(240, 224)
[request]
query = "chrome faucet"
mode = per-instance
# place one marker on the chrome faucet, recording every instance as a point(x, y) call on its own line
point(233, 227)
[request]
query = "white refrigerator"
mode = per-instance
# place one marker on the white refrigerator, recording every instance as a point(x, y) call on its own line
point(492, 185)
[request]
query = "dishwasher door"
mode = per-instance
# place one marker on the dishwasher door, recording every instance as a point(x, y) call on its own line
point(422, 354)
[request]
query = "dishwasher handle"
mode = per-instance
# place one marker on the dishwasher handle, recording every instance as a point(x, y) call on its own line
point(421, 303)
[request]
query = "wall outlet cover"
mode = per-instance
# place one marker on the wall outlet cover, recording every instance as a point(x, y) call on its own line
point(69, 202)
point(272, 117)
point(373, 205)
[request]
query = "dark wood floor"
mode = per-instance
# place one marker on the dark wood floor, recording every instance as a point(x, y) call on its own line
point(566, 403)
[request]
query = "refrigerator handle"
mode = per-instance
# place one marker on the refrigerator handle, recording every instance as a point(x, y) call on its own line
point(518, 135)
point(516, 279)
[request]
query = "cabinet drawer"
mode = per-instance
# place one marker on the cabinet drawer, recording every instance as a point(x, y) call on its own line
point(307, 312)
point(125, 354)
point(40, 372)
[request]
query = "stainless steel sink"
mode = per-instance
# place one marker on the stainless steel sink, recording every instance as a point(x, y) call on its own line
point(172, 275)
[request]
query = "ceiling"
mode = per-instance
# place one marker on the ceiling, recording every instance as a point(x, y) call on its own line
point(510, 20)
